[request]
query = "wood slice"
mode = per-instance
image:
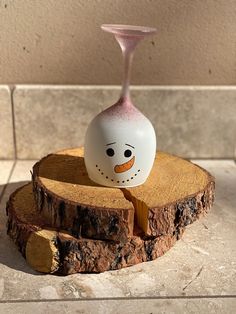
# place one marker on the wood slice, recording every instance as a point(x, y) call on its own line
point(49, 251)
point(69, 200)
point(176, 193)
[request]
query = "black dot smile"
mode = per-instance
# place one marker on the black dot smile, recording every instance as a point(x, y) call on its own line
point(118, 181)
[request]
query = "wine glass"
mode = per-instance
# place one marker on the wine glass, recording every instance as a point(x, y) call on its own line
point(120, 142)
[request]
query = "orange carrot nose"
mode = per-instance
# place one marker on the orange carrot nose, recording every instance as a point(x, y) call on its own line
point(124, 167)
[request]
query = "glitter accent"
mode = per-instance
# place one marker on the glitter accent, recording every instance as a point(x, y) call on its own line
point(123, 109)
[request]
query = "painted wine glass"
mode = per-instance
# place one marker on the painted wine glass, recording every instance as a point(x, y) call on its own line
point(120, 142)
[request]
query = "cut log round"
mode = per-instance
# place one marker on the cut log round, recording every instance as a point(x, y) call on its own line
point(69, 200)
point(51, 251)
point(176, 193)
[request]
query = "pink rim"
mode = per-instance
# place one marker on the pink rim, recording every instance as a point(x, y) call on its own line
point(128, 36)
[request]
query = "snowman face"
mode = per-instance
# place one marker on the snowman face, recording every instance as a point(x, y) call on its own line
point(122, 163)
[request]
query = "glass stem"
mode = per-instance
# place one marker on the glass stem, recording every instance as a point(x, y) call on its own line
point(127, 57)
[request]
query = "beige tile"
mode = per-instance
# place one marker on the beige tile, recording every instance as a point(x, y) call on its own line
point(202, 263)
point(6, 130)
point(20, 176)
point(22, 170)
point(193, 122)
point(48, 119)
point(170, 306)
point(5, 169)
point(223, 170)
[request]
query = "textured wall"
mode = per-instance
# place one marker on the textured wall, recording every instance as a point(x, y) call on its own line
point(58, 41)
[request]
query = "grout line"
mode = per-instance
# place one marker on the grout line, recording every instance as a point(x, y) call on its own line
point(8, 179)
point(11, 172)
point(12, 88)
point(134, 87)
point(122, 299)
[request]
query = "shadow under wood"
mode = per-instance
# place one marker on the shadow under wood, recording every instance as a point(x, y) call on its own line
point(9, 254)
point(64, 168)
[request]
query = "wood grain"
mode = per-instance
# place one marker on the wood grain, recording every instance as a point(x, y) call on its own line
point(176, 193)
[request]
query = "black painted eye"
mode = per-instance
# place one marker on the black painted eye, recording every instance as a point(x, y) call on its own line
point(127, 153)
point(110, 152)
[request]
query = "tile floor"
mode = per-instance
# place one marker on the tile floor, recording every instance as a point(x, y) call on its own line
point(198, 275)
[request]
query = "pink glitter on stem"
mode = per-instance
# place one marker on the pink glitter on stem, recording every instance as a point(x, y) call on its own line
point(128, 36)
